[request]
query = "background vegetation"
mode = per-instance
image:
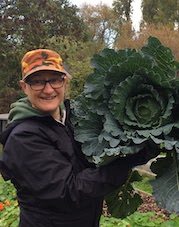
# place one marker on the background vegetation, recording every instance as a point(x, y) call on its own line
point(77, 34)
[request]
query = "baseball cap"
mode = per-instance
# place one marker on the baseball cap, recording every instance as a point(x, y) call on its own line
point(42, 59)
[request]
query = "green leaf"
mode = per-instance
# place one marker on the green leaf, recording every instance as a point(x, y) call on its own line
point(94, 88)
point(124, 201)
point(162, 55)
point(165, 186)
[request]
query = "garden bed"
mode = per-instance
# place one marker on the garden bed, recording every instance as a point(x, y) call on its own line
point(149, 205)
point(144, 189)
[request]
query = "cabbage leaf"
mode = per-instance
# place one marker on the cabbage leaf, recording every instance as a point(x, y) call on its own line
point(131, 102)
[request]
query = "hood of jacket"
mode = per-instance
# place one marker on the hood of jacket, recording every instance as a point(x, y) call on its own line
point(23, 109)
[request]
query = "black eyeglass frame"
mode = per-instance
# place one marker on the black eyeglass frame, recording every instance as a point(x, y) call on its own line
point(29, 82)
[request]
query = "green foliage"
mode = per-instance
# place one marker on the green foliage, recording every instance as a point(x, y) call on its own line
point(137, 219)
point(160, 11)
point(8, 96)
point(145, 219)
point(166, 186)
point(111, 222)
point(123, 9)
point(124, 201)
point(173, 222)
point(31, 23)
point(10, 72)
point(130, 102)
point(9, 210)
point(144, 184)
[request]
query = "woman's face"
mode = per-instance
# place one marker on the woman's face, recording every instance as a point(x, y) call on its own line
point(48, 99)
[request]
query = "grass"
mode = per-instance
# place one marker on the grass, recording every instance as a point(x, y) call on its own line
point(144, 185)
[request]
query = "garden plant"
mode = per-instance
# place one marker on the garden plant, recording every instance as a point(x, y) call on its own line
point(9, 210)
point(131, 102)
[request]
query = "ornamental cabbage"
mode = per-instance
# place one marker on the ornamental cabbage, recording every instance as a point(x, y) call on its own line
point(131, 102)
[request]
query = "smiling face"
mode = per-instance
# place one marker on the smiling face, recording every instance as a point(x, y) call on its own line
point(47, 99)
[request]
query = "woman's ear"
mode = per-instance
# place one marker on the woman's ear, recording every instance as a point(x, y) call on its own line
point(23, 86)
point(65, 79)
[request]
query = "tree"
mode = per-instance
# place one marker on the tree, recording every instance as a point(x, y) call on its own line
point(31, 22)
point(160, 11)
point(124, 9)
point(101, 22)
point(149, 10)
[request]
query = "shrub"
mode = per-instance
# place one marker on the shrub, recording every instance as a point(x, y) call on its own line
point(9, 209)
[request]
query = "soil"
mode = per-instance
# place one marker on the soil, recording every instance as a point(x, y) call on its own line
point(148, 205)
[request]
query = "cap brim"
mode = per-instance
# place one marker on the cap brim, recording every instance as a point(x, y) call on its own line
point(47, 68)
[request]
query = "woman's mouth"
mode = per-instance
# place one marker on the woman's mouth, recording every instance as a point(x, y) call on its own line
point(48, 98)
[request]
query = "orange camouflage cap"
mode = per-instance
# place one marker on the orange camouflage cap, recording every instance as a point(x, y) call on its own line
point(42, 59)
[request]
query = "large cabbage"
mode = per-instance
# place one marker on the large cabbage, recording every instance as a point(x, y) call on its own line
point(129, 102)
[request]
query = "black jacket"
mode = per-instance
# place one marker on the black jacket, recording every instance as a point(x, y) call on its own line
point(56, 186)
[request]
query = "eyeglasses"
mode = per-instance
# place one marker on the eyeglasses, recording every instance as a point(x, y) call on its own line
point(38, 85)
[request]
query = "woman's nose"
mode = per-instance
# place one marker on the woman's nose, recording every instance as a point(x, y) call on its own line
point(48, 88)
